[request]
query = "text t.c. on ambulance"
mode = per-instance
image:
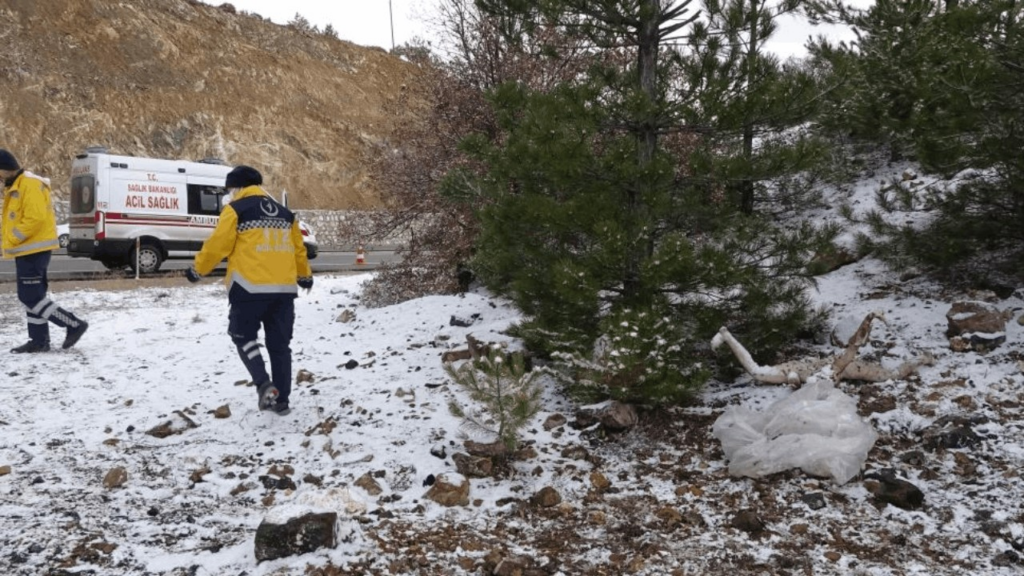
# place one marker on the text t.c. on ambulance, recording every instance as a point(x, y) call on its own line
point(166, 207)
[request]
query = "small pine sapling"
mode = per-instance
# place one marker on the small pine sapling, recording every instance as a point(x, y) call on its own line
point(503, 386)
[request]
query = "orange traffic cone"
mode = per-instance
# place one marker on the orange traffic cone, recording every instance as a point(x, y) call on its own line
point(360, 256)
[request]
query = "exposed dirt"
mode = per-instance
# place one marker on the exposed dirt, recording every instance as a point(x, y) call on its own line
point(183, 79)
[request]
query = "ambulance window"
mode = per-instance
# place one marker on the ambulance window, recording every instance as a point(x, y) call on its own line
point(83, 194)
point(204, 199)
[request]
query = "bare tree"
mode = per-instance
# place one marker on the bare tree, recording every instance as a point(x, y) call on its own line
point(412, 167)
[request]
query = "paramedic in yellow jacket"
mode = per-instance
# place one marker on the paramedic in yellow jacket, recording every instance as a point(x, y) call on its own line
point(266, 266)
point(29, 231)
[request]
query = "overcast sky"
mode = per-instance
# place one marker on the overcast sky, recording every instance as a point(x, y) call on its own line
point(368, 22)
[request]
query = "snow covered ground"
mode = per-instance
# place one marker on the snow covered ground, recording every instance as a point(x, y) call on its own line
point(192, 500)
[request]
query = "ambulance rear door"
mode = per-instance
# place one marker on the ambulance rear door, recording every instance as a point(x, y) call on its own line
point(206, 196)
point(149, 202)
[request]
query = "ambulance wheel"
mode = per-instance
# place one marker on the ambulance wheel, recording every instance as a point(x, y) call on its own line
point(149, 259)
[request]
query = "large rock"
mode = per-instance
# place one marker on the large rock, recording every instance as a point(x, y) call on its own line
point(888, 489)
point(976, 325)
point(473, 466)
point(547, 497)
point(613, 416)
point(449, 490)
point(296, 536)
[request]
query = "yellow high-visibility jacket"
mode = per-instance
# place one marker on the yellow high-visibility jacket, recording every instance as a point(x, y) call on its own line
point(29, 225)
point(263, 244)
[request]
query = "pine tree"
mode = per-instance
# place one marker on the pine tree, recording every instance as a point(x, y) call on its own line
point(748, 96)
point(507, 392)
point(941, 82)
point(598, 212)
point(300, 23)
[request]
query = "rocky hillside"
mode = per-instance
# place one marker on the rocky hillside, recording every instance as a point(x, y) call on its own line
point(183, 79)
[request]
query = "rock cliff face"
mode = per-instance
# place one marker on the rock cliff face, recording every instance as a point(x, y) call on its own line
point(183, 79)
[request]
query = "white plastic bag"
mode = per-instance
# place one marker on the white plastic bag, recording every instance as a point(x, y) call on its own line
point(815, 429)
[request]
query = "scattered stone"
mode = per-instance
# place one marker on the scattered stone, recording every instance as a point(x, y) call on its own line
point(460, 322)
point(554, 421)
point(526, 453)
point(5, 470)
point(1006, 558)
point(275, 483)
point(914, 458)
point(304, 376)
point(429, 480)
point(511, 567)
point(115, 478)
point(833, 556)
point(669, 515)
point(346, 316)
point(172, 427)
point(351, 364)
point(952, 432)
point(243, 487)
point(614, 416)
point(888, 489)
point(473, 466)
point(747, 521)
point(282, 470)
point(964, 465)
point(296, 536)
point(438, 451)
point(574, 453)
point(222, 412)
point(366, 482)
point(449, 490)
point(197, 475)
point(547, 497)
point(599, 481)
point(814, 501)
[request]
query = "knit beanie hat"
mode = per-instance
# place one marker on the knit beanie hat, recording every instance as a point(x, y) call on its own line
point(242, 176)
point(8, 161)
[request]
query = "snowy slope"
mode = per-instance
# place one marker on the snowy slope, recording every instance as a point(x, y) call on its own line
point(192, 501)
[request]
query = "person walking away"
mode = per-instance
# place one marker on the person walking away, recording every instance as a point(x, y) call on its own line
point(266, 265)
point(29, 229)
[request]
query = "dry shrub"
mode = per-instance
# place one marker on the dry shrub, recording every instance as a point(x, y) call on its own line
point(411, 166)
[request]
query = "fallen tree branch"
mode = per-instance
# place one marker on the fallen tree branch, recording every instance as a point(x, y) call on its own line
point(844, 367)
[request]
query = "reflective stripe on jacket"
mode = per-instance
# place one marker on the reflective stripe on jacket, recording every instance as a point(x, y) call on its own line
point(263, 244)
point(29, 224)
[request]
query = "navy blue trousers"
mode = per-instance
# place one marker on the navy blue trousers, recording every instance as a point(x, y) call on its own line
point(32, 287)
point(277, 316)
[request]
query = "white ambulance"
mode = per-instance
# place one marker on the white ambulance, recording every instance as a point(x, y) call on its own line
point(165, 207)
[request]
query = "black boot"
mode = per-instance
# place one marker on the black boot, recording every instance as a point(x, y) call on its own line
point(74, 334)
point(31, 347)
